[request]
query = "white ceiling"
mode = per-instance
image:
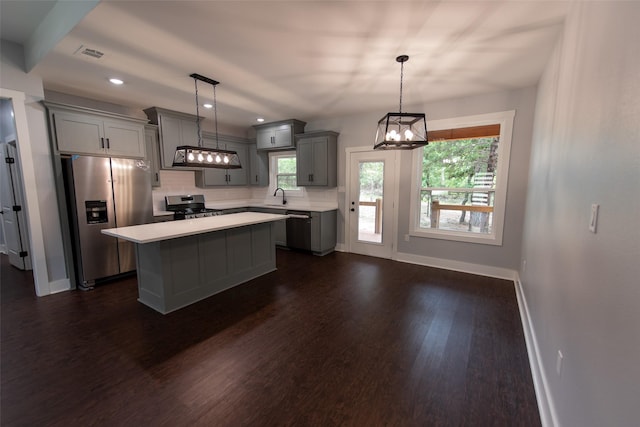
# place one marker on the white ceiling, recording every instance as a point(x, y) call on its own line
point(295, 59)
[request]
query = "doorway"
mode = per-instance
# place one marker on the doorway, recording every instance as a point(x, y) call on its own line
point(14, 222)
point(13, 227)
point(371, 202)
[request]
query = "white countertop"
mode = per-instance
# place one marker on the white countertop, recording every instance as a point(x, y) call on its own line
point(147, 233)
point(294, 206)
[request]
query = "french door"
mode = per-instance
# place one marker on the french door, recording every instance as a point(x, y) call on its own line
point(371, 201)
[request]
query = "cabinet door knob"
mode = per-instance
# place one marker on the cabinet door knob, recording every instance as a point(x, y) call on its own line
point(353, 210)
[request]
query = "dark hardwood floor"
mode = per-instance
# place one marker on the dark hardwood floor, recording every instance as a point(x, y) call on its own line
point(340, 340)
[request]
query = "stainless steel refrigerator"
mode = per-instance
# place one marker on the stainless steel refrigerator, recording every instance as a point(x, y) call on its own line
point(105, 193)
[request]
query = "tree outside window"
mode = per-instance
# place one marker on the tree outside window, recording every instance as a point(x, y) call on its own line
point(457, 173)
point(286, 172)
point(459, 185)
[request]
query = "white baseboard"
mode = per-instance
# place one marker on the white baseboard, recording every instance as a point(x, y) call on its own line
point(61, 285)
point(340, 247)
point(547, 410)
point(3, 249)
point(465, 267)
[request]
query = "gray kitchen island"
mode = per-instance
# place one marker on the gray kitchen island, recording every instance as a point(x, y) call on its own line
point(181, 262)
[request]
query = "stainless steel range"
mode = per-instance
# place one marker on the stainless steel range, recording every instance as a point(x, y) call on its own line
point(189, 206)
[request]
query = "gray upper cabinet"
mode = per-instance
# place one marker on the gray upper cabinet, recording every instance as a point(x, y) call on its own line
point(96, 133)
point(175, 129)
point(210, 177)
point(278, 135)
point(153, 154)
point(316, 159)
point(258, 167)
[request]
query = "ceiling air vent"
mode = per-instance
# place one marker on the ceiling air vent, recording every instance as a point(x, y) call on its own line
point(89, 52)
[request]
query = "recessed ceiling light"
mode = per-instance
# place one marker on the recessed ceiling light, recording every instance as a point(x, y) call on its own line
point(116, 81)
point(207, 105)
point(260, 119)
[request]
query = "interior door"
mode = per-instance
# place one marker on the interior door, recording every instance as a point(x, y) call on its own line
point(13, 213)
point(371, 203)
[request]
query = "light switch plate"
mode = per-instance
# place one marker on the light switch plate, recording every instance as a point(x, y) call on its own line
point(593, 222)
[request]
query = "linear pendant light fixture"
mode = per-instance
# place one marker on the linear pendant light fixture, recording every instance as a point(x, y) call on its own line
point(401, 131)
point(200, 156)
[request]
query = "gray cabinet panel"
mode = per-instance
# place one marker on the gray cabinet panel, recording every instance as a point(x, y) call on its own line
point(323, 232)
point(261, 243)
point(239, 249)
point(185, 262)
point(278, 135)
point(96, 133)
point(153, 155)
point(79, 133)
point(258, 167)
point(210, 177)
point(212, 264)
point(317, 158)
point(175, 129)
point(124, 139)
point(239, 176)
point(279, 227)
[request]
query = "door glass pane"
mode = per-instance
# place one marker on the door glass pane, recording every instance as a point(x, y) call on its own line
point(371, 184)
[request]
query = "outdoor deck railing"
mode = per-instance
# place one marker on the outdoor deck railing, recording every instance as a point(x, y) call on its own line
point(378, 215)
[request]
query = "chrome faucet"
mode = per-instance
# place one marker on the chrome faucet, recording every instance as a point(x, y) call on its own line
point(284, 201)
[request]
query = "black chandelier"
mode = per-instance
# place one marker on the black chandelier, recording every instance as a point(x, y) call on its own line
point(401, 131)
point(200, 156)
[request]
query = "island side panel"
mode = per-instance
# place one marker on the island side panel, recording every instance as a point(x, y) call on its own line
point(150, 276)
point(195, 267)
point(262, 243)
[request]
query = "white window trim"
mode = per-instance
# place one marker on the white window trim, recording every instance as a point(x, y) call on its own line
point(273, 167)
point(505, 120)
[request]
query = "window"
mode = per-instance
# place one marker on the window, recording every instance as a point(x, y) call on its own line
point(460, 179)
point(283, 171)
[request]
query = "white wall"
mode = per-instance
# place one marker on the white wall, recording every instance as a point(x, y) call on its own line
point(359, 131)
point(35, 156)
point(582, 289)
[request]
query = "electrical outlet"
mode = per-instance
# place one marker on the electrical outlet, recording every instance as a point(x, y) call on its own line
point(406, 237)
point(524, 265)
point(593, 221)
point(559, 363)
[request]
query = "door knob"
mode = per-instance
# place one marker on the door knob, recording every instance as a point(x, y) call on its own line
point(353, 210)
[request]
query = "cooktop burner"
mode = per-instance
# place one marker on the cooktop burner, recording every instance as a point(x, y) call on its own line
point(189, 206)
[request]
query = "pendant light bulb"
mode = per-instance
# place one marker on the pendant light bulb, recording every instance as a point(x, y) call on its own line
point(408, 135)
point(226, 159)
point(200, 157)
point(218, 158)
point(190, 156)
point(209, 158)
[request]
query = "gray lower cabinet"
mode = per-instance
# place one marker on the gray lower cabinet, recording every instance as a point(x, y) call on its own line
point(258, 167)
point(212, 177)
point(177, 272)
point(175, 129)
point(153, 154)
point(278, 135)
point(96, 133)
point(323, 232)
point(317, 158)
point(323, 229)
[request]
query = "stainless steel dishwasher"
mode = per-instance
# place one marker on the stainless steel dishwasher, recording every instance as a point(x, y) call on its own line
point(299, 230)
